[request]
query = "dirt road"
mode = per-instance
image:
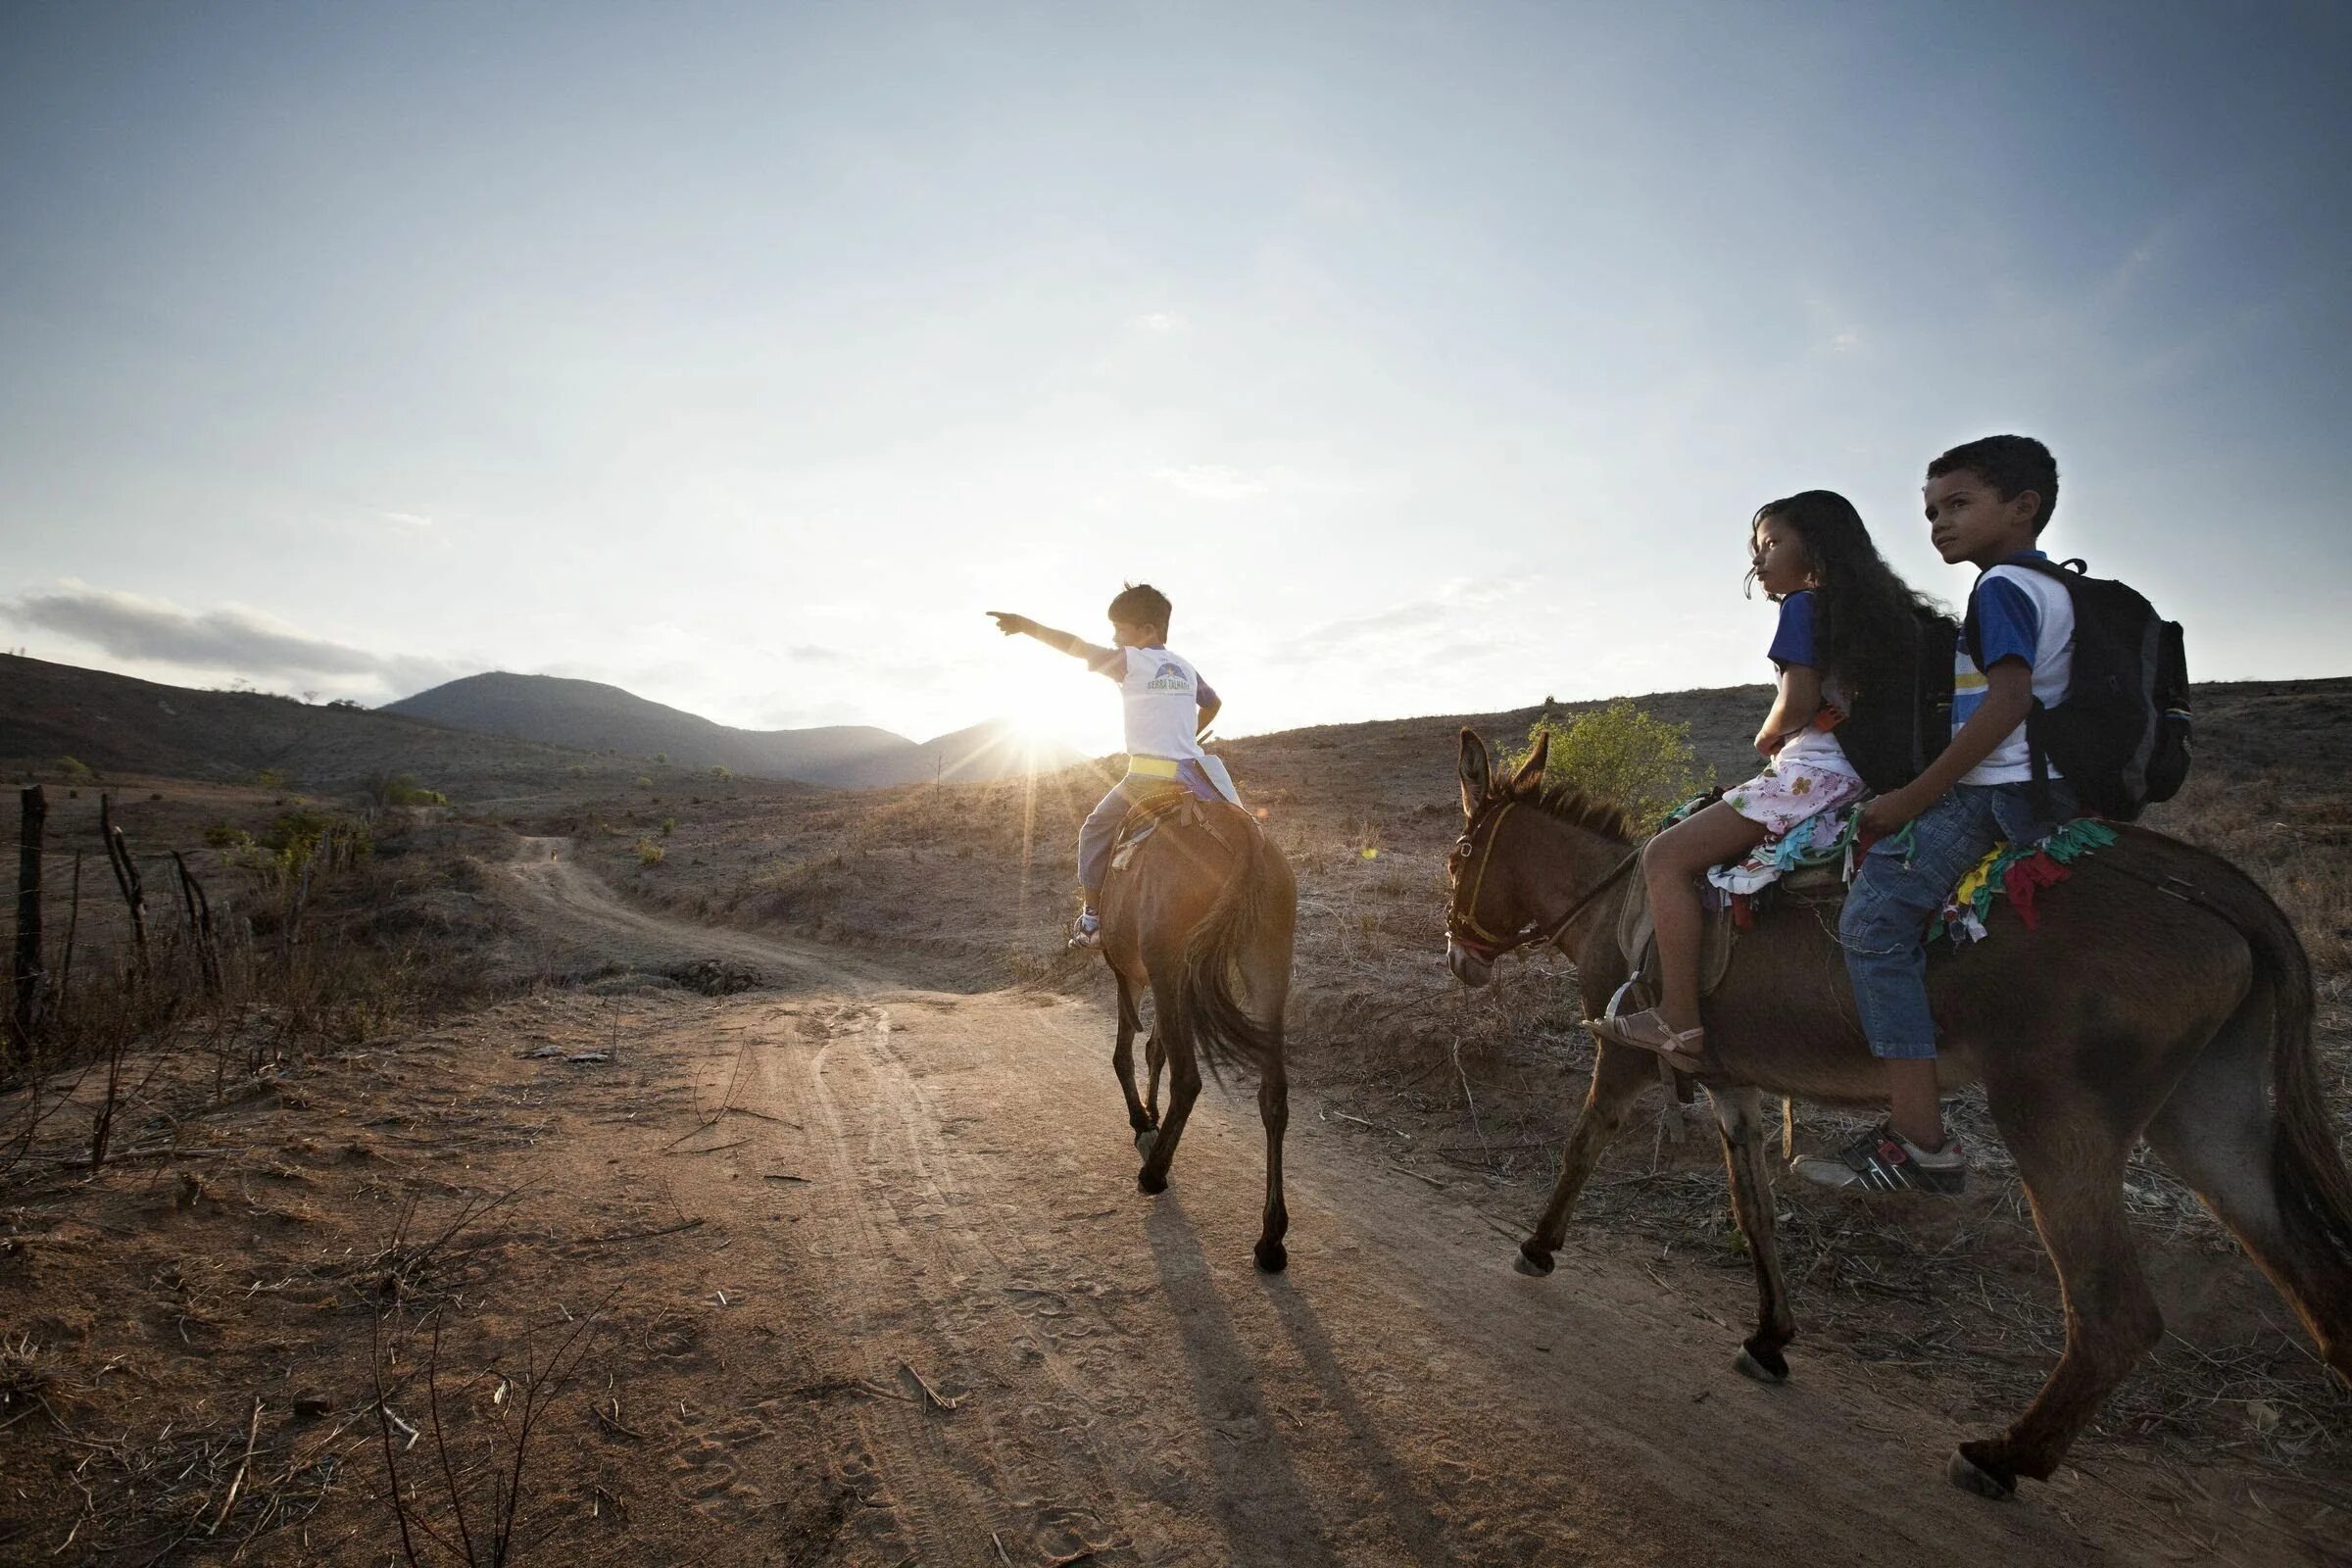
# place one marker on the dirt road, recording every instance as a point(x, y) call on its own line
point(933, 1288)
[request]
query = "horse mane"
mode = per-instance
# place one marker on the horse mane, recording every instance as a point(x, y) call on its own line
point(1565, 802)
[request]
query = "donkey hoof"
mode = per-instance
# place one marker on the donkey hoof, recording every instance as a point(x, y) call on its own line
point(1764, 1364)
point(1272, 1257)
point(1148, 1181)
point(1532, 1262)
point(1983, 1479)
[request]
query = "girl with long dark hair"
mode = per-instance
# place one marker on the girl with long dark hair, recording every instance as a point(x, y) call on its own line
point(1845, 617)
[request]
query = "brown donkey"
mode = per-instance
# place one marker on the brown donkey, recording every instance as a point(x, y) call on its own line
point(1207, 901)
point(2164, 996)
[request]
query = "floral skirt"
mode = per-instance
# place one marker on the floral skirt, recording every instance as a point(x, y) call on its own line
point(1786, 794)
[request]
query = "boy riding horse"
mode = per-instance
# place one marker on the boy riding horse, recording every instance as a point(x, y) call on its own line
point(1168, 709)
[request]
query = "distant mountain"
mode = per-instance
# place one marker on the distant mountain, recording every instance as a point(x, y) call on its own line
point(597, 717)
point(118, 724)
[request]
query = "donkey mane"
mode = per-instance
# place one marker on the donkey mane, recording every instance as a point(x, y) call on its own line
point(1565, 802)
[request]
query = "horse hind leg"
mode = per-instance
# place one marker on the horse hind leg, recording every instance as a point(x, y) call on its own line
point(1268, 977)
point(1619, 1075)
point(1740, 1114)
point(2219, 1134)
point(1274, 1109)
point(2072, 1159)
point(1122, 1061)
point(1156, 1060)
point(1170, 1038)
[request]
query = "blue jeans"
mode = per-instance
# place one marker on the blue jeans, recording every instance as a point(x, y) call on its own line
point(1102, 826)
point(1899, 886)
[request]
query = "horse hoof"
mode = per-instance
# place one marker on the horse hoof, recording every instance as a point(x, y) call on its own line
point(1969, 1476)
point(1145, 1138)
point(1272, 1257)
point(1767, 1368)
point(1532, 1263)
point(1147, 1182)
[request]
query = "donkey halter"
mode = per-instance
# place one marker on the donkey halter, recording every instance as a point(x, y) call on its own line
point(1465, 930)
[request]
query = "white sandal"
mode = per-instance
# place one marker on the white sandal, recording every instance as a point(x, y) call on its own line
point(1647, 1031)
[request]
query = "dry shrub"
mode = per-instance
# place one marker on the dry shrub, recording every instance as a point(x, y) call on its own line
point(2297, 843)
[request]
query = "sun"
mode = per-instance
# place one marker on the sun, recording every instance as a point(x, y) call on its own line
point(1057, 708)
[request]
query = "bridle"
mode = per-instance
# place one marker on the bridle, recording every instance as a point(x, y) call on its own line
point(1464, 929)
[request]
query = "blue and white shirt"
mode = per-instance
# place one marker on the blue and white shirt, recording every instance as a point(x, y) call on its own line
point(1164, 695)
point(2022, 614)
point(1793, 642)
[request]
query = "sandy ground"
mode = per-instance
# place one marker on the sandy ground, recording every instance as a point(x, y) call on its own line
point(873, 1285)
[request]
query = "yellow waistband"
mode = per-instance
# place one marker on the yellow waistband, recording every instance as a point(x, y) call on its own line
point(1152, 766)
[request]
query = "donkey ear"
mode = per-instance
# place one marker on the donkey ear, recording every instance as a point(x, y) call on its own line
point(1529, 777)
point(1478, 779)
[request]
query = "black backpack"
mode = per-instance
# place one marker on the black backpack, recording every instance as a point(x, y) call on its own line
point(2121, 734)
point(1901, 719)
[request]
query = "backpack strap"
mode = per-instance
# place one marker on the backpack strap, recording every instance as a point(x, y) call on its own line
point(2066, 571)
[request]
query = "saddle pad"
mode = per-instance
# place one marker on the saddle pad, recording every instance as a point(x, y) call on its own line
point(1186, 810)
point(1638, 940)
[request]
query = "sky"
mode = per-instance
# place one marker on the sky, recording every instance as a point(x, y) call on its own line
point(1431, 358)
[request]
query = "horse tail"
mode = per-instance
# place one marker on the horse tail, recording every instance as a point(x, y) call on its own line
point(2307, 1169)
point(1256, 898)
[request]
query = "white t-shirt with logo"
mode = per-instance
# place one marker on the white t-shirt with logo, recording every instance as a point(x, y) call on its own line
point(2021, 613)
point(1163, 696)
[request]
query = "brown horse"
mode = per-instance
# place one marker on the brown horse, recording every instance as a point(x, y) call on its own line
point(2164, 996)
point(1208, 901)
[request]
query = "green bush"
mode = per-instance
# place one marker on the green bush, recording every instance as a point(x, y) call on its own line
point(289, 843)
point(74, 768)
point(1642, 765)
point(270, 778)
point(398, 789)
point(669, 825)
point(721, 774)
point(649, 852)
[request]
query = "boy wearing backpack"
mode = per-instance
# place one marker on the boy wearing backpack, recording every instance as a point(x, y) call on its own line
point(1986, 504)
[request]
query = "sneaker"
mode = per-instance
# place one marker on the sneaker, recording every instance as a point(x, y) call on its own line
point(1087, 931)
point(1886, 1161)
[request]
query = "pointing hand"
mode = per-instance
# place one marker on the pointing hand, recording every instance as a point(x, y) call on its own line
point(1011, 625)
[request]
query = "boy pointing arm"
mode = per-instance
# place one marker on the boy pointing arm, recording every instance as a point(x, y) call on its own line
point(1168, 707)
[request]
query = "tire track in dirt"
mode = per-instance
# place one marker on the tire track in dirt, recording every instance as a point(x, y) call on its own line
point(912, 1197)
point(570, 904)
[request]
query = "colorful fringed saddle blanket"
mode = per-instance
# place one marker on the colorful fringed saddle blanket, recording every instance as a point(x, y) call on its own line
point(1822, 850)
point(2019, 873)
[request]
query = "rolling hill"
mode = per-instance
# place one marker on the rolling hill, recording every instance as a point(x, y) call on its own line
point(118, 724)
point(487, 734)
point(596, 717)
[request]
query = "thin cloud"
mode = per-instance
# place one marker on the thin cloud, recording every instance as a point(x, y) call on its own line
point(155, 632)
point(1212, 481)
point(1456, 608)
point(1163, 323)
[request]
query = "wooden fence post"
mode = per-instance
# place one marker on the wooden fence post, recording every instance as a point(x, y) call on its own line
point(126, 876)
point(200, 925)
point(30, 980)
point(65, 980)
